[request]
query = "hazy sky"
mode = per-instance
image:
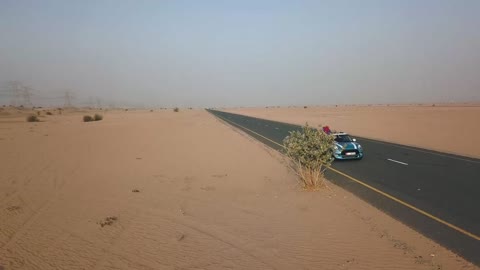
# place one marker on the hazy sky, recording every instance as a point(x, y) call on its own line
point(243, 53)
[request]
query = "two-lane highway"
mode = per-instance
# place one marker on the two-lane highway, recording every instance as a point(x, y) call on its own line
point(435, 193)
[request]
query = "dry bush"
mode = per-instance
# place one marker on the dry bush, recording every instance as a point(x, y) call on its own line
point(311, 153)
point(32, 118)
point(176, 109)
point(87, 118)
point(108, 221)
point(311, 179)
point(49, 113)
point(305, 107)
point(97, 117)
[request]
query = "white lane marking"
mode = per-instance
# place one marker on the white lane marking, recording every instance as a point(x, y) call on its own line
point(426, 151)
point(396, 161)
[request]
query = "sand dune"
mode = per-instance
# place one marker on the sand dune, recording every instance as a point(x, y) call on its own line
point(445, 128)
point(165, 190)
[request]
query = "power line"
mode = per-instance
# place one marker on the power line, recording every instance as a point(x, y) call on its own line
point(19, 93)
point(27, 94)
point(68, 99)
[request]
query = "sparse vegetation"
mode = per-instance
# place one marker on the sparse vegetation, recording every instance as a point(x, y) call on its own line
point(97, 117)
point(87, 118)
point(305, 107)
point(49, 113)
point(108, 221)
point(311, 153)
point(32, 118)
point(176, 109)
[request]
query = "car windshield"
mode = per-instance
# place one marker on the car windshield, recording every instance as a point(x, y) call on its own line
point(343, 138)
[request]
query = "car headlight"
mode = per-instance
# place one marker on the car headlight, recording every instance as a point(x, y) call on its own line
point(335, 147)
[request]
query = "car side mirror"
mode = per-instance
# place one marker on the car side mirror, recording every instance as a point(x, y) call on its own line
point(354, 140)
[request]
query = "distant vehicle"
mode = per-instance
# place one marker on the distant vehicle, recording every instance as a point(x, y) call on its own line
point(345, 147)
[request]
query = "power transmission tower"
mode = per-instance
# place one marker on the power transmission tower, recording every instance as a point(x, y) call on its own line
point(15, 88)
point(98, 102)
point(90, 102)
point(27, 94)
point(68, 99)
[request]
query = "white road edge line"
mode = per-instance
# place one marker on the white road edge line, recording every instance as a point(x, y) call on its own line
point(396, 161)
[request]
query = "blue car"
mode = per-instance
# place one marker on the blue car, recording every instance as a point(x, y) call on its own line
point(346, 148)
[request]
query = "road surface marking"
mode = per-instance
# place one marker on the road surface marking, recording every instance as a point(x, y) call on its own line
point(420, 211)
point(396, 161)
point(426, 151)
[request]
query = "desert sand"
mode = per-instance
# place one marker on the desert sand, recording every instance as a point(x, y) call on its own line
point(445, 128)
point(165, 190)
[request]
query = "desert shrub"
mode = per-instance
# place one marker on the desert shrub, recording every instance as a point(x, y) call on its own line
point(87, 118)
point(176, 109)
point(97, 117)
point(311, 153)
point(49, 113)
point(32, 118)
point(305, 107)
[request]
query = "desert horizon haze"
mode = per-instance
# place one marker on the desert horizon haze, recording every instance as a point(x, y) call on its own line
point(193, 134)
point(249, 53)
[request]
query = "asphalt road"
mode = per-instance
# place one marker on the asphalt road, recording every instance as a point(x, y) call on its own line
point(437, 194)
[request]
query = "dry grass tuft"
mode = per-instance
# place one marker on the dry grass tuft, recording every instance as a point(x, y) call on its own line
point(311, 179)
point(87, 118)
point(108, 221)
point(97, 117)
point(32, 118)
point(176, 109)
